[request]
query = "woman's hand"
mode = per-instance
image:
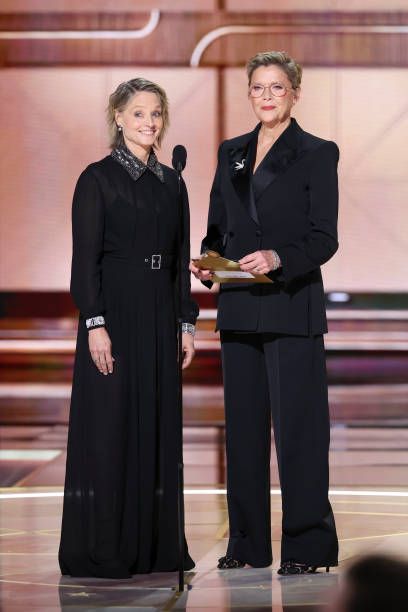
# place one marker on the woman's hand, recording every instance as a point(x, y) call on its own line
point(202, 275)
point(187, 341)
point(100, 347)
point(260, 262)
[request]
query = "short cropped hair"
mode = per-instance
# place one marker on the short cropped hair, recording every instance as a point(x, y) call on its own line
point(121, 96)
point(290, 67)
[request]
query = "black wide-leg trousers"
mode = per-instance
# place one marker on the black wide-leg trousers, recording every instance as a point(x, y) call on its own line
point(283, 377)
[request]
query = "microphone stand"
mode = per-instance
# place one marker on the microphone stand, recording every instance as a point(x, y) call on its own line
point(180, 466)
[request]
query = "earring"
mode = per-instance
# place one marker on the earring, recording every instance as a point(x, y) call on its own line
point(119, 128)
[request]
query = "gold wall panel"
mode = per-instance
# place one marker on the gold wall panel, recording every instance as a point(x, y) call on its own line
point(104, 6)
point(315, 5)
point(213, 38)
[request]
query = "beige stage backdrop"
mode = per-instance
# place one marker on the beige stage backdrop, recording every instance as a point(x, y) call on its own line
point(52, 125)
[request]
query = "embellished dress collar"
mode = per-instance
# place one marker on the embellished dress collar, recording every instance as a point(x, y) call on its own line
point(134, 166)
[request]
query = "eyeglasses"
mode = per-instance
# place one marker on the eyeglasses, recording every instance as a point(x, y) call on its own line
point(277, 90)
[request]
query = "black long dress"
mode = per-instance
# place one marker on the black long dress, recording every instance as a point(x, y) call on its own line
point(120, 501)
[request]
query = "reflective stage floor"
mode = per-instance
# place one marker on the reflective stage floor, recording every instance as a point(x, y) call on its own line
point(369, 493)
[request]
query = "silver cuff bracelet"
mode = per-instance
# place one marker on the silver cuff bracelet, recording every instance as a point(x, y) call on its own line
point(188, 328)
point(95, 322)
point(277, 262)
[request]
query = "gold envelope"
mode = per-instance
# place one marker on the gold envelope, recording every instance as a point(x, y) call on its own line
point(227, 270)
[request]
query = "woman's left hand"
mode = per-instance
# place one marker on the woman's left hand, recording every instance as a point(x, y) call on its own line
point(260, 262)
point(188, 349)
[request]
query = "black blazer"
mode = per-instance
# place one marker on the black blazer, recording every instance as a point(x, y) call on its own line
point(290, 205)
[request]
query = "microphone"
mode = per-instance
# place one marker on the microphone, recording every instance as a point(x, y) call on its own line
point(179, 158)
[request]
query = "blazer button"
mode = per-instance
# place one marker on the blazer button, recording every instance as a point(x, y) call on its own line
point(258, 233)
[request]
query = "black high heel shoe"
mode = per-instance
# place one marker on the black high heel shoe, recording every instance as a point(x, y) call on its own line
point(227, 562)
point(291, 568)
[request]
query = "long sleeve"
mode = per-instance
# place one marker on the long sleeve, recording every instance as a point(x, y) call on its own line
point(189, 308)
point(87, 242)
point(217, 219)
point(319, 245)
point(216, 226)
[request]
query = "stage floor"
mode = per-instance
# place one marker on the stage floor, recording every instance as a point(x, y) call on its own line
point(369, 493)
point(30, 577)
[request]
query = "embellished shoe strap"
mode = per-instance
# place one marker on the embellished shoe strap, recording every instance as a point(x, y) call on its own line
point(229, 563)
point(291, 567)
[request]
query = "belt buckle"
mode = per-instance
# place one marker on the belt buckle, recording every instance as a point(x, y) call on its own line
point(156, 262)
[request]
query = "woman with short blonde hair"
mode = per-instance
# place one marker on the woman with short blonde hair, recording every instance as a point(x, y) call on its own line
point(273, 208)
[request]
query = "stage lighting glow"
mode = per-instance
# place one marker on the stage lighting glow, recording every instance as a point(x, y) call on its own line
point(340, 297)
point(332, 493)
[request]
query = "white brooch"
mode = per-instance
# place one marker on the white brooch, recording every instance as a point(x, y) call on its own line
point(239, 165)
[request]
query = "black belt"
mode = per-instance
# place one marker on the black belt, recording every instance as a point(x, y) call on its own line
point(157, 261)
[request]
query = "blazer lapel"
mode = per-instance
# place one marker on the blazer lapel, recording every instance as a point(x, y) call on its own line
point(241, 161)
point(279, 158)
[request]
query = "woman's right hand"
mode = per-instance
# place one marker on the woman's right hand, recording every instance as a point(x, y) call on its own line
point(100, 346)
point(202, 275)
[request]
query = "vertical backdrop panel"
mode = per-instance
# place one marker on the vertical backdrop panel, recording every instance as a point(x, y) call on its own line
point(366, 112)
point(52, 127)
